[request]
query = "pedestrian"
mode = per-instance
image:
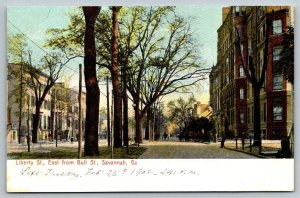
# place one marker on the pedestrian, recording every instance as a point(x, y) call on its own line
point(223, 140)
point(285, 147)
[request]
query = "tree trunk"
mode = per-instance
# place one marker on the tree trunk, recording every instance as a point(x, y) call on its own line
point(91, 82)
point(115, 81)
point(138, 122)
point(256, 122)
point(108, 114)
point(35, 124)
point(147, 132)
point(125, 112)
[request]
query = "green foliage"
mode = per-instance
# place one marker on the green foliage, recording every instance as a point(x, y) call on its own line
point(287, 55)
point(154, 42)
point(198, 129)
point(17, 51)
point(16, 48)
point(180, 111)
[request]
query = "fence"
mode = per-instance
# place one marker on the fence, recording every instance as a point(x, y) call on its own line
point(267, 148)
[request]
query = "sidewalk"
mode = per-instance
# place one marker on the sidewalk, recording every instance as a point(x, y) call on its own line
point(45, 146)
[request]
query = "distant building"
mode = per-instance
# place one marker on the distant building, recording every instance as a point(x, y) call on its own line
point(59, 111)
point(202, 110)
point(231, 96)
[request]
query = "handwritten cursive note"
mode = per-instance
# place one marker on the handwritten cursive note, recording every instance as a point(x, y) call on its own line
point(118, 175)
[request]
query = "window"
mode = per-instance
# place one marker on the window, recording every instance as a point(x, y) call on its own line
point(261, 34)
point(231, 117)
point(242, 118)
point(277, 82)
point(49, 105)
point(248, 115)
point(241, 71)
point(49, 121)
point(45, 122)
point(276, 54)
point(40, 123)
point(277, 110)
point(68, 123)
point(265, 112)
point(32, 101)
point(76, 124)
point(243, 9)
point(277, 27)
point(70, 109)
point(252, 117)
point(241, 94)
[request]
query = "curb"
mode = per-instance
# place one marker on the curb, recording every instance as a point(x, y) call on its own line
point(259, 156)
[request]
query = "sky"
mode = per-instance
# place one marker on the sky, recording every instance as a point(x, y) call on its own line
point(34, 21)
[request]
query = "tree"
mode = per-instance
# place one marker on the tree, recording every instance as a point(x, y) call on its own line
point(287, 55)
point(106, 49)
point(116, 81)
point(17, 51)
point(42, 82)
point(253, 73)
point(164, 63)
point(153, 41)
point(91, 82)
point(180, 112)
point(199, 128)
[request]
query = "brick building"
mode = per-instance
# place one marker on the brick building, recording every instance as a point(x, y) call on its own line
point(231, 94)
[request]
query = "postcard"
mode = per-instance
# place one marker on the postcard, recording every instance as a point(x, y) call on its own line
point(150, 98)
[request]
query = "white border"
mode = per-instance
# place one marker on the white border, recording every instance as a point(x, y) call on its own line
point(5, 3)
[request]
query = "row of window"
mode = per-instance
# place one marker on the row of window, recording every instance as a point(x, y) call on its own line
point(277, 113)
point(45, 122)
point(47, 105)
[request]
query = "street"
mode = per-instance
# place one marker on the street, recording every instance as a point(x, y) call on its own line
point(175, 149)
point(166, 149)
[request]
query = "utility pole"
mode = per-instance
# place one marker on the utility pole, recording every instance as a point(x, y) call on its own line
point(79, 112)
point(108, 113)
point(21, 98)
point(112, 128)
point(55, 118)
point(28, 129)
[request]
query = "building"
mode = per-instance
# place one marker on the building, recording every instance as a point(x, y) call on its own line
point(59, 111)
point(65, 111)
point(201, 110)
point(231, 93)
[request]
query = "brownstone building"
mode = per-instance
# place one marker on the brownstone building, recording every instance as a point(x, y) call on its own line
point(231, 94)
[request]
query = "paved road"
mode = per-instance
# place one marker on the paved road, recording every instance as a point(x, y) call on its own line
point(170, 149)
point(179, 150)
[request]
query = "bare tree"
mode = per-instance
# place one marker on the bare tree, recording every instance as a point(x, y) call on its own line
point(42, 82)
point(164, 64)
point(253, 74)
